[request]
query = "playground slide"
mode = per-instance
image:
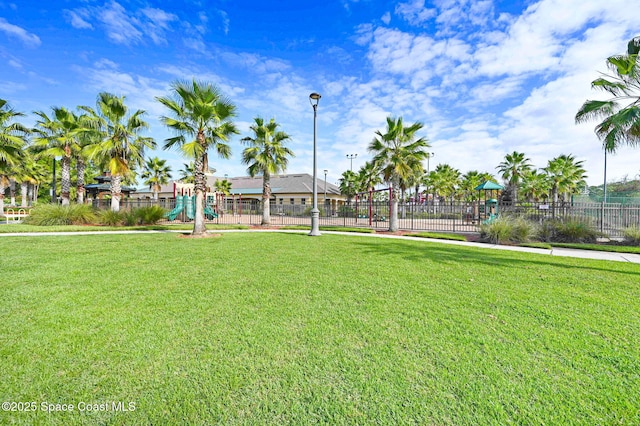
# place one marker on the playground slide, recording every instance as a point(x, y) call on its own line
point(189, 203)
point(176, 211)
point(191, 206)
point(209, 213)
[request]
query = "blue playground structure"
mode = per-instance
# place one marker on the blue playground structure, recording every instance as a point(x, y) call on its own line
point(189, 203)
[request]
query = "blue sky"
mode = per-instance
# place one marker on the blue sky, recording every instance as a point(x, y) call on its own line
point(485, 77)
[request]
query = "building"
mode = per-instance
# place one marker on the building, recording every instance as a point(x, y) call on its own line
point(286, 190)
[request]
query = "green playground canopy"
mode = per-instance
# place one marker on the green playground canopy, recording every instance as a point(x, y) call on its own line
point(489, 186)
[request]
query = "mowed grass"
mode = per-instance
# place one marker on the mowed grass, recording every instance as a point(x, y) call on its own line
point(264, 328)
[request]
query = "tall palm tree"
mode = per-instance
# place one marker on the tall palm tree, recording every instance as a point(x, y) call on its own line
point(121, 148)
point(266, 155)
point(620, 114)
point(87, 138)
point(514, 166)
point(566, 176)
point(202, 120)
point(13, 138)
point(400, 155)
point(57, 137)
point(156, 173)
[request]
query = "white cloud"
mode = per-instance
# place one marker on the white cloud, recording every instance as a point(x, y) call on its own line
point(386, 18)
point(14, 31)
point(77, 19)
point(121, 28)
point(415, 12)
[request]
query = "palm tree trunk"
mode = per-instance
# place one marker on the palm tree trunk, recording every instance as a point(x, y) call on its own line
point(200, 185)
point(393, 214)
point(266, 199)
point(80, 184)
point(66, 180)
point(24, 186)
point(12, 191)
point(3, 187)
point(116, 192)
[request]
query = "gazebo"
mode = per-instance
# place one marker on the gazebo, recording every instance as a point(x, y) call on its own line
point(490, 205)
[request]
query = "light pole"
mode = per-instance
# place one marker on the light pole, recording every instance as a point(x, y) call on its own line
point(325, 192)
point(53, 183)
point(429, 155)
point(351, 157)
point(314, 98)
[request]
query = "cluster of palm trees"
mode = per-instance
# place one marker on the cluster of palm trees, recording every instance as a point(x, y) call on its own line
point(106, 137)
point(110, 138)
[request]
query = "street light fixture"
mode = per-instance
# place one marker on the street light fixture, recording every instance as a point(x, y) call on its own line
point(314, 98)
point(351, 157)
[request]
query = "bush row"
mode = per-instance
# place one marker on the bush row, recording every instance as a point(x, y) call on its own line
point(507, 229)
point(82, 214)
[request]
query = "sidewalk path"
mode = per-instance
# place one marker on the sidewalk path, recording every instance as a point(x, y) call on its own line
point(556, 251)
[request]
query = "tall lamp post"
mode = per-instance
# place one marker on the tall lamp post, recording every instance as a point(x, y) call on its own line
point(325, 192)
point(314, 98)
point(53, 184)
point(351, 157)
point(429, 155)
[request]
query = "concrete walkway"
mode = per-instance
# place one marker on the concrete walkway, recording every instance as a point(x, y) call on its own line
point(556, 251)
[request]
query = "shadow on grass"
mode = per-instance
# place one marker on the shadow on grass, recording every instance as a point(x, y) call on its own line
point(419, 251)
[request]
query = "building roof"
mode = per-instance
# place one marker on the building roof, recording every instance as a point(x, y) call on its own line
point(280, 184)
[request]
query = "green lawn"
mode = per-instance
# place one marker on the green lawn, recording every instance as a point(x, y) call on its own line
point(264, 328)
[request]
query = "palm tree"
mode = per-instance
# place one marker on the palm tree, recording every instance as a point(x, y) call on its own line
point(470, 181)
point(514, 166)
point(620, 115)
point(121, 148)
point(535, 185)
point(348, 184)
point(187, 172)
point(156, 173)
point(57, 137)
point(13, 138)
point(566, 175)
point(86, 140)
point(399, 155)
point(266, 155)
point(369, 175)
point(200, 112)
point(223, 186)
point(445, 181)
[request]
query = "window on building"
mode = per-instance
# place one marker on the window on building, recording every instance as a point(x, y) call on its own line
point(291, 201)
point(281, 200)
point(303, 201)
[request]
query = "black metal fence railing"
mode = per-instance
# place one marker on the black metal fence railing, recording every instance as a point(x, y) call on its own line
point(610, 218)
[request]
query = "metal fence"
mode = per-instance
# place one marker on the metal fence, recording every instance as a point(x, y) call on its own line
point(610, 218)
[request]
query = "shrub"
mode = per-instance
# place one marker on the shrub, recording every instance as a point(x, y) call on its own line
point(54, 214)
point(547, 230)
point(149, 215)
point(130, 218)
point(574, 230)
point(110, 218)
point(523, 230)
point(632, 235)
point(498, 230)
